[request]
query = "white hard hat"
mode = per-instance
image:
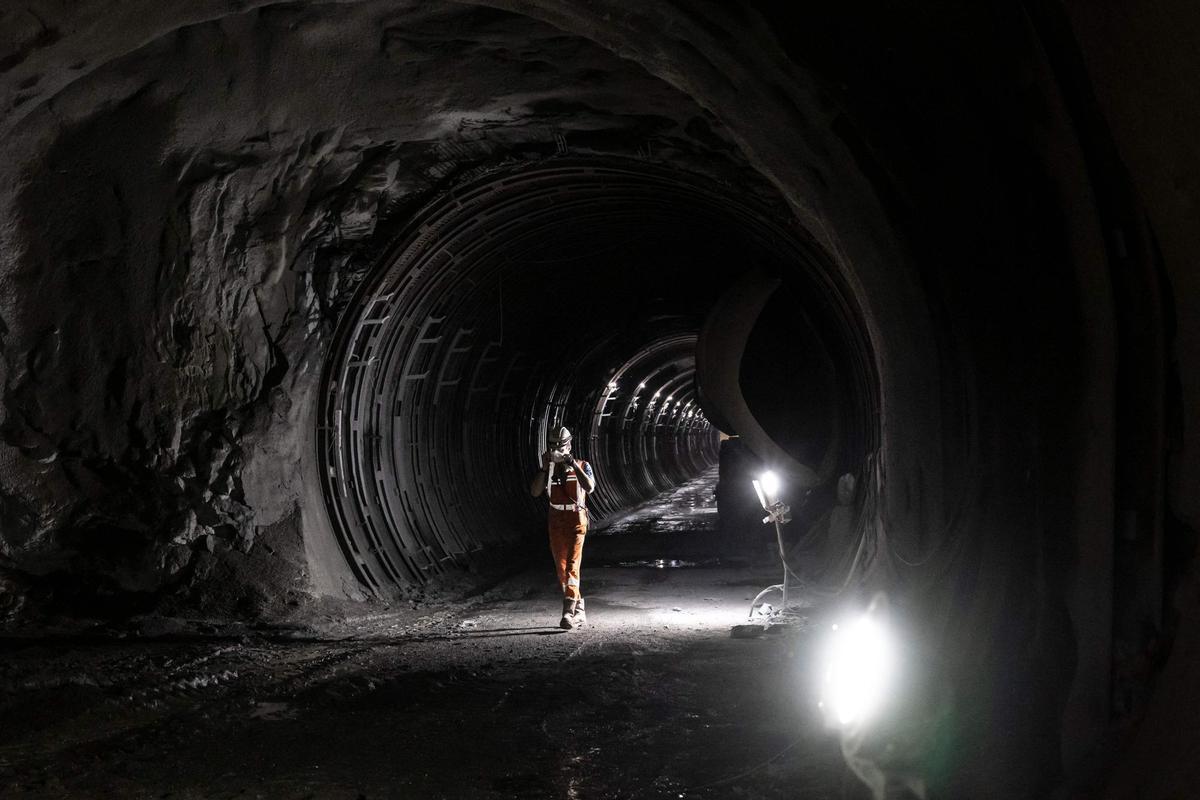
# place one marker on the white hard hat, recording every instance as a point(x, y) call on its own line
point(563, 438)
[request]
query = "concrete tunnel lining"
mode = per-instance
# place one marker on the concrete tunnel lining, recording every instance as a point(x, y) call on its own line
point(433, 384)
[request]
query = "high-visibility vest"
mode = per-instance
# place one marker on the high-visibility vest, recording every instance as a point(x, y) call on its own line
point(565, 492)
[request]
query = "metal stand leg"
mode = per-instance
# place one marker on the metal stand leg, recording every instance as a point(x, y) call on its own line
point(782, 560)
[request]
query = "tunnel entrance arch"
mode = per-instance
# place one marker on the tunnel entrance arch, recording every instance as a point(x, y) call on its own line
point(440, 386)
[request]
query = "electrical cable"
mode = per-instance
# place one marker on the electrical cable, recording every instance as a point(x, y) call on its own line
point(781, 587)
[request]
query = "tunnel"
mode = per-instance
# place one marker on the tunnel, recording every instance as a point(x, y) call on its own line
point(293, 295)
point(571, 294)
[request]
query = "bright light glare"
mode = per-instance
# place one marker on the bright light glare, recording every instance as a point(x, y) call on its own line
point(857, 672)
point(718, 616)
point(770, 484)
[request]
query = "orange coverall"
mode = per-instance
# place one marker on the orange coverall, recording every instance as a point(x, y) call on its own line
point(568, 524)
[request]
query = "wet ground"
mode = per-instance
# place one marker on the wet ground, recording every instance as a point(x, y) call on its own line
point(689, 509)
point(676, 529)
point(483, 698)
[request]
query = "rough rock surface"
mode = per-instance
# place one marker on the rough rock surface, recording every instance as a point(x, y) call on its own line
point(184, 224)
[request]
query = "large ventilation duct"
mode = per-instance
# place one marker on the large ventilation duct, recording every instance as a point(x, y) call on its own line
point(719, 361)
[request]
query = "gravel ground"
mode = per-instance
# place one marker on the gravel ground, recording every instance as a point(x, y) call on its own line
point(476, 699)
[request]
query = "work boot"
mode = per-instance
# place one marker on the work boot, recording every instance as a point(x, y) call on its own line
point(568, 616)
point(580, 613)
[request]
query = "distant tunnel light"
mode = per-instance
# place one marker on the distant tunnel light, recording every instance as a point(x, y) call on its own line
point(857, 671)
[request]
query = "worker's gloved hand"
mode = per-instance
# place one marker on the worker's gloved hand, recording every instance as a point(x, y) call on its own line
point(547, 459)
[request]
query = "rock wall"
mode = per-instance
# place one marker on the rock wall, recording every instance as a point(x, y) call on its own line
point(185, 217)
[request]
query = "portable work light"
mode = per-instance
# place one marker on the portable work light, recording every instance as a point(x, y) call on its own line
point(778, 512)
point(858, 667)
point(767, 489)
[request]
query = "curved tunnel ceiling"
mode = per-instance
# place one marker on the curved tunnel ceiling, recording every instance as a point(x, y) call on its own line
point(570, 292)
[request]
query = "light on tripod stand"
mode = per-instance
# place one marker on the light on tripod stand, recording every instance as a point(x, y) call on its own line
point(767, 488)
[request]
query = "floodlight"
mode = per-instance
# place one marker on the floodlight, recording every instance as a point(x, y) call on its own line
point(770, 484)
point(857, 669)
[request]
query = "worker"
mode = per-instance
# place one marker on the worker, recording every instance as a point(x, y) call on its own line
point(570, 481)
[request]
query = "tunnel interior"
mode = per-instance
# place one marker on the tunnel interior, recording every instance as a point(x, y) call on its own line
point(292, 292)
point(576, 293)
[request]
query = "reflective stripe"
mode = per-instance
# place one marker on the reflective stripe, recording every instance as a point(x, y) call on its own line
point(572, 581)
point(561, 488)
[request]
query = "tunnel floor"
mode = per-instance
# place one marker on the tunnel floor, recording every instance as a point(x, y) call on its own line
point(688, 509)
point(676, 529)
point(480, 698)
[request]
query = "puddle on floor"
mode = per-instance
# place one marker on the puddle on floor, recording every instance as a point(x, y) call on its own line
point(670, 563)
point(689, 508)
